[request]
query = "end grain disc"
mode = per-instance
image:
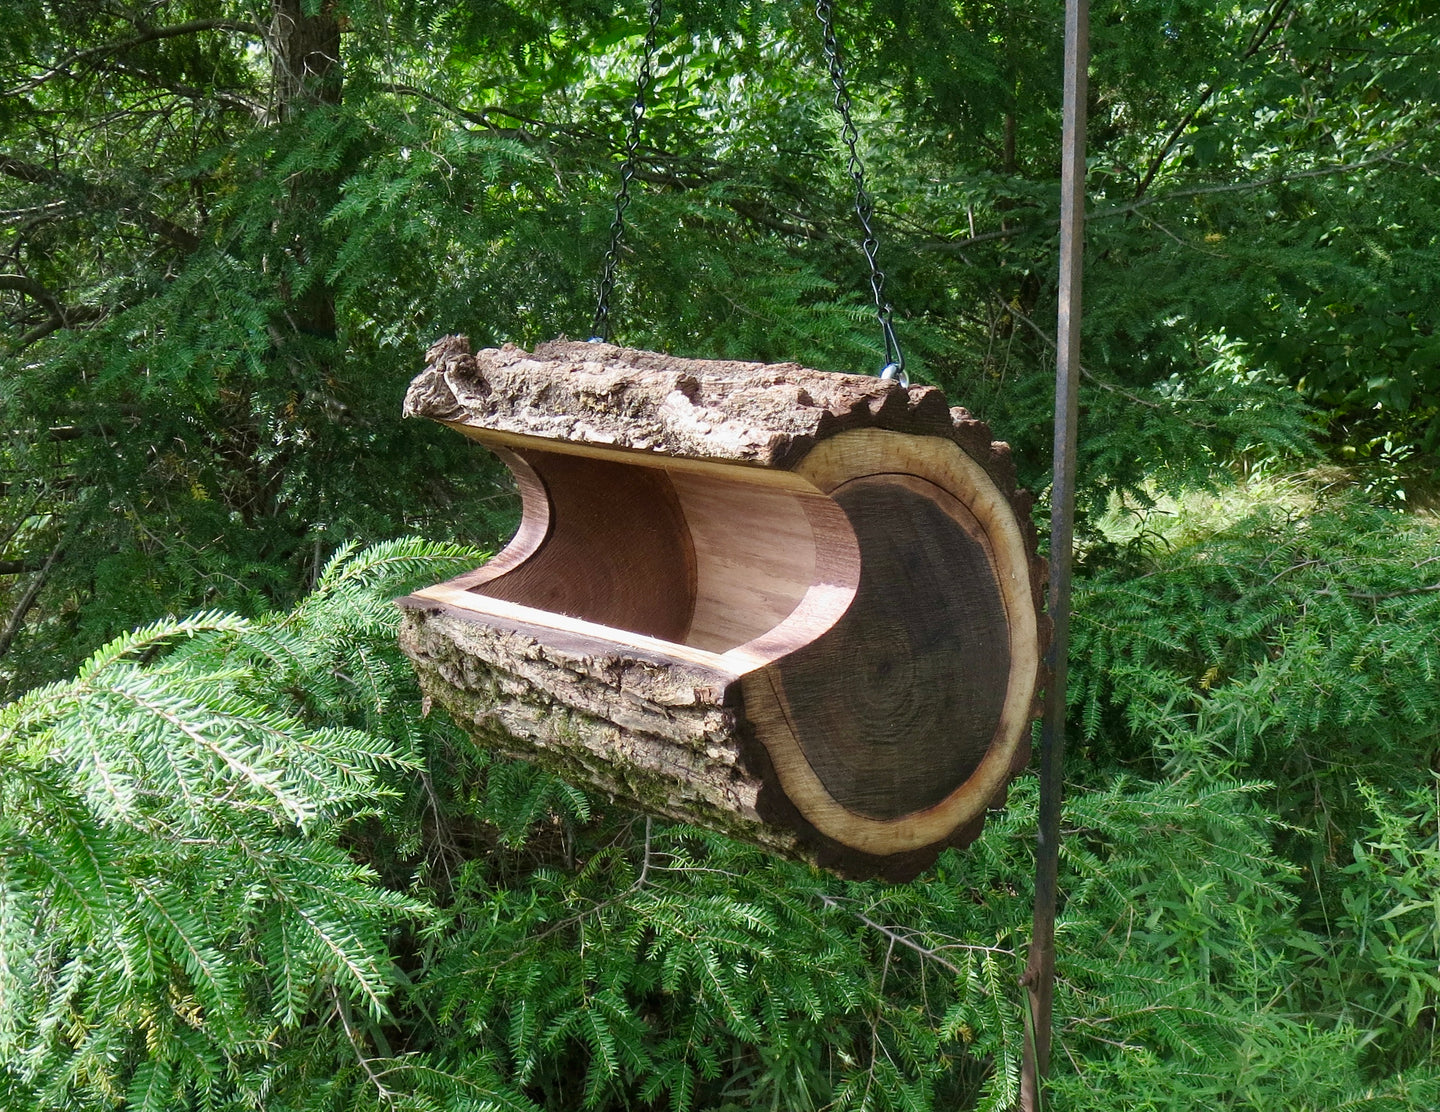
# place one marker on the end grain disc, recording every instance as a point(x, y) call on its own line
point(891, 732)
point(896, 706)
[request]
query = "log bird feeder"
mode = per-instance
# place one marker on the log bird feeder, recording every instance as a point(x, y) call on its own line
point(796, 607)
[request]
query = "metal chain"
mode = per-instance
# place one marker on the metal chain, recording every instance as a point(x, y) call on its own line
point(600, 331)
point(864, 204)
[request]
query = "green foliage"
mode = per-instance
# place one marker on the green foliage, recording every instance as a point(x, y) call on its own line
point(1296, 646)
point(228, 878)
point(239, 868)
point(1387, 921)
point(686, 972)
point(216, 285)
point(177, 903)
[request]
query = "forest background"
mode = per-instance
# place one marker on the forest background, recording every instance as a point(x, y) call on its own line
point(239, 869)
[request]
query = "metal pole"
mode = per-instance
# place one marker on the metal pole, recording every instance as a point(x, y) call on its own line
point(1039, 979)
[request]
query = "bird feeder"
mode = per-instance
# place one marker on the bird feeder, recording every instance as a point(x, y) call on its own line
point(796, 607)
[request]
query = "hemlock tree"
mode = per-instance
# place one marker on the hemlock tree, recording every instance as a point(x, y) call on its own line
point(238, 868)
point(230, 229)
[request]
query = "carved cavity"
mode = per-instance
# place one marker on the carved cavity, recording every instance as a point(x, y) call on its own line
point(708, 558)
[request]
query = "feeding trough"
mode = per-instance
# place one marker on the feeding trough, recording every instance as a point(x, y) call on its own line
point(797, 607)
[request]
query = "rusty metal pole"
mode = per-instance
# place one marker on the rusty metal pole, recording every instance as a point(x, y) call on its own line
point(1039, 979)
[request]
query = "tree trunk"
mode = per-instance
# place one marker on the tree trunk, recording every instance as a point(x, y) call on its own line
point(306, 74)
point(305, 56)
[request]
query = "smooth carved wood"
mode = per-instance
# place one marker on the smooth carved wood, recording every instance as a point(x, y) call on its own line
point(800, 608)
point(616, 552)
point(754, 552)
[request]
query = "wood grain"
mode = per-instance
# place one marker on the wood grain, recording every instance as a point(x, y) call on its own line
point(754, 557)
point(800, 608)
point(896, 705)
point(987, 558)
point(616, 550)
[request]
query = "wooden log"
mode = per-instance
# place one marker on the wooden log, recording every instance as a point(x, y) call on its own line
point(800, 608)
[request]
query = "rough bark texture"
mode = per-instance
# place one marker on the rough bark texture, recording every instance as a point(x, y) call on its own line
point(765, 414)
point(655, 734)
point(306, 55)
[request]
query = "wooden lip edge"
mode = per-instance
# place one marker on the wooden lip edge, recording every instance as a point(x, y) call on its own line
point(534, 530)
point(581, 640)
point(829, 596)
point(821, 607)
point(885, 837)
point(754, 471)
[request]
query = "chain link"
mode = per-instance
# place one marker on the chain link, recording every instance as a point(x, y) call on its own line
point(864, 204)
point(600, 331)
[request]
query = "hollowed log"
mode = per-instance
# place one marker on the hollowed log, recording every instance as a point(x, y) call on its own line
point(800, 608)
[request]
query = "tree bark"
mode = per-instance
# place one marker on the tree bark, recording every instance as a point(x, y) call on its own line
point(305, 56)
point(762, 414)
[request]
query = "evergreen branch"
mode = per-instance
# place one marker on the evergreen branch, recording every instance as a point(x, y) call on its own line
point(151, 34)
point(480, 118)
point(25, 171)
point(73, 316)
point(1256, 42)
point(410, 1063)
point(958, 245)
point(404, 556)
point(32, 288)
point(758, 212)
point(28, 599)
point(150, 1087)
point(932, 952)
point(60, 316)
point(265, 781)
point(147, 638)
point(1111, 387)
point(580, 917)
point(360, 976)
point(1380, 158)
point(229, 97)
point(91, 879)
point(1111, 212)
point(342, 1009)
point(200, 960)
point(1380, 597)
point(36, 174)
